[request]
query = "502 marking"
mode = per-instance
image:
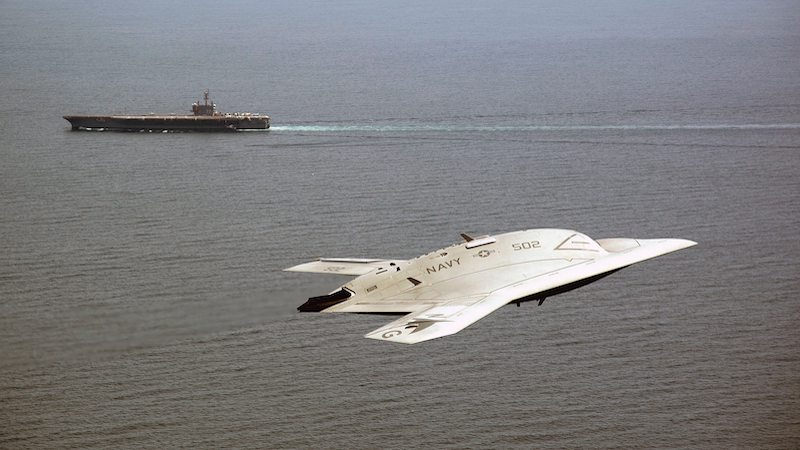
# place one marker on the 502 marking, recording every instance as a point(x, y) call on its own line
point(526, 245)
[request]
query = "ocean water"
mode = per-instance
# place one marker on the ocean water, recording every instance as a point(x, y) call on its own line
point(142, 298)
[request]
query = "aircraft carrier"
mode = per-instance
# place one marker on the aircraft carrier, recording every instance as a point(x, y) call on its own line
point(204, 118)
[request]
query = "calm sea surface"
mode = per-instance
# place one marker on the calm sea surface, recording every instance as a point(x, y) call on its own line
point(142, 298)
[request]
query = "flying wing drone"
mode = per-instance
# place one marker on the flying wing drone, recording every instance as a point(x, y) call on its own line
point(445, 291)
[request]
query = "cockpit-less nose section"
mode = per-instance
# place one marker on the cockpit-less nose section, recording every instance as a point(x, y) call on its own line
point(445, 291)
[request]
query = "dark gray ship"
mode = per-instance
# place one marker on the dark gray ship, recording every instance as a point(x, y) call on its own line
point(205, 118)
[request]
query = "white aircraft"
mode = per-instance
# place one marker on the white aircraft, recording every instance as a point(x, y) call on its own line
point(445, 291)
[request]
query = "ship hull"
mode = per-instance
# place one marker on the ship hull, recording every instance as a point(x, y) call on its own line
point(226, 122)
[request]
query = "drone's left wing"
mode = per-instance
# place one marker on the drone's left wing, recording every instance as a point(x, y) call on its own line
point(341, 266)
